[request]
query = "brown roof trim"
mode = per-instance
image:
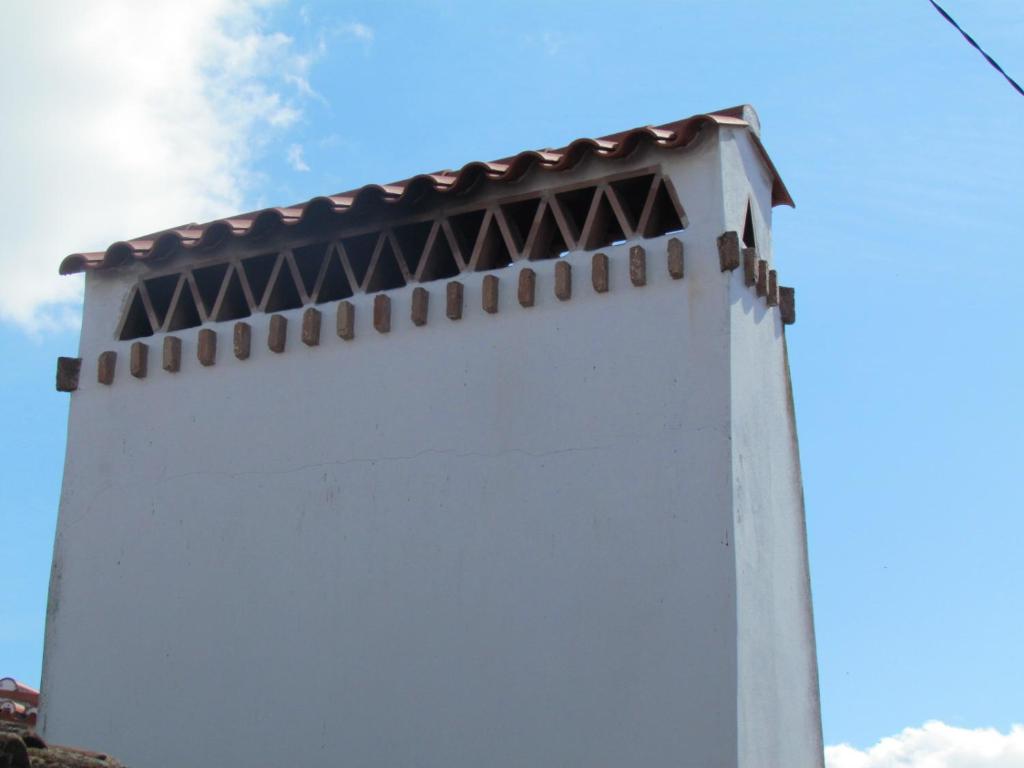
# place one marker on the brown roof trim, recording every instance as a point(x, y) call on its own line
point(192, 237)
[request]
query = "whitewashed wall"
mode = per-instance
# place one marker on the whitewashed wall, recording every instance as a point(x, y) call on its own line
point(779, 717)
point(507, 540)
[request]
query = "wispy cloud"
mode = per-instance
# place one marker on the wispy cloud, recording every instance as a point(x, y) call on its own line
point(551, 41)
point(162, 128)
point(936, 745)
point(356, 30)
point(294, 154)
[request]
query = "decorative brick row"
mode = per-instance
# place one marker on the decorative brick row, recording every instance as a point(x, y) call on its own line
point(68, 369)
point(756, 275)
point(755, 272)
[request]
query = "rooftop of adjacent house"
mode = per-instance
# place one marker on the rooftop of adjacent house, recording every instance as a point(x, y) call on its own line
point(9, 685)
point(18, 702)
point(200, 238)
point(21, 747)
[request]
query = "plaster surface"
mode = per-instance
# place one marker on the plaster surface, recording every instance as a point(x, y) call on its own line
point(778, 709)
point(505, 540)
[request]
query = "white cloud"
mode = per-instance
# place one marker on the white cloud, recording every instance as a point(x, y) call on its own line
point(295, 158)
point(936, 745)
point(356, 30)
point(123, 118)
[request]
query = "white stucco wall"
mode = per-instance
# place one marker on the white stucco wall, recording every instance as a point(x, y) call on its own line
point(506, 540)
point(778, 711)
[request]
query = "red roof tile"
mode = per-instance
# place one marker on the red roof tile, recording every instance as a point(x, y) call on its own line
point(16, 690)
point(205, 236)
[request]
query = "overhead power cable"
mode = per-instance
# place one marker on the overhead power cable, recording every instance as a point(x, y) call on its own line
point(971, 40)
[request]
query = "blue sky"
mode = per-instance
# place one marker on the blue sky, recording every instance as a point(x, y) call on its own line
point(900, 145)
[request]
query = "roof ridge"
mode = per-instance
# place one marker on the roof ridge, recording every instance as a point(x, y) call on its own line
point(672, 135)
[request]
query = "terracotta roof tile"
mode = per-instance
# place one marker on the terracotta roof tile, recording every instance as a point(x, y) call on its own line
point(9, 685)
point(447, 182)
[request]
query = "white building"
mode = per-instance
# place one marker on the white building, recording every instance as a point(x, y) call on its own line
point(495, 467)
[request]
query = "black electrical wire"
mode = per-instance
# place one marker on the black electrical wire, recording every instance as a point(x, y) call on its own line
point(970, 40)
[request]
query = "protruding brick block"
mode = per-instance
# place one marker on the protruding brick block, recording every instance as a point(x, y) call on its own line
point(527, 287)
point(106, 364)
point(675, 258)
point(311, 319)
point(762, 278)
point(382, 313)
point(172, 354)
point(637, 265)
point(138, 360)
point(750, 267)
point(563, 280)
point(243, 340)
point(787, 305)
point(68, 369)
point(489, 294)
point(773, 288)
point(728, 251)
point(454, 293)
point(277, 335)
point(420, 305)
point(347, 320)
point(206, 349)
point(599, 272)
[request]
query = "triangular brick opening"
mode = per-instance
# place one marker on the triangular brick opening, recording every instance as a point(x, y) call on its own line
point(748, 229)
point(233, 305)
point(546, 239)
point(664, 216)
point(604, 228)
point(466, 228)
point(439, 261)
point(136, 321)
point(519, 217)
point(335, 284)
point(283, 294)
point(632, 196)
point(387, 274)
point(208, 283)
point(258, 270)
point(308, 260)
point(184, 313)
point(359, 250)
point(160, 291)
point(575, 205)
point(494, 253)
point(412, 239)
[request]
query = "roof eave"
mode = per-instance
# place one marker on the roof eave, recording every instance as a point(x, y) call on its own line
point(189, 237)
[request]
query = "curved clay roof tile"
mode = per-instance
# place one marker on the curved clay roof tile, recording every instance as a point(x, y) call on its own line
point(258, 224)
